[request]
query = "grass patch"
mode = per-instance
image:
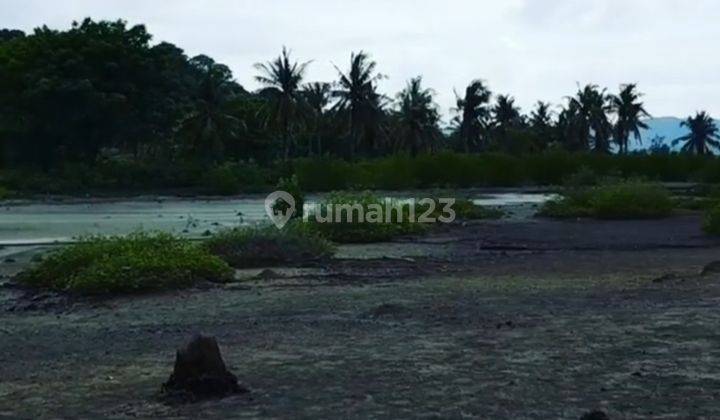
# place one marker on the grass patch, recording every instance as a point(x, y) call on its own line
point(379, 226)
point(711, 221)
point(465, 209)
point(265, 246)
point(631, 199)
point(136, 263)
point(694, 203)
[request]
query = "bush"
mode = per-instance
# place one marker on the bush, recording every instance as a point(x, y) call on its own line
point(464, 209)
point(4, 193)
point(631, 199)
point(351, 230)
point(135, 263)
point(292, 187)
point(234, 178)
point(711, 222)
point(264, 246)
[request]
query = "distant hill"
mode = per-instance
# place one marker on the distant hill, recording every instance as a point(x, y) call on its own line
point(667, 127)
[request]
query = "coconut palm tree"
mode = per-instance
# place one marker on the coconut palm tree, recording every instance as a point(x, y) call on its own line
point(541, 116)
point(505, 117)
point(210, 121)
point(282, 78)
point(541, 124)
point(317, 97)
point(505, 114)
point(629, 113)
point(473, 114)
point(359, 103)
point(594, 107)
point(573, 128)
point(703, 137)
point(417, 118)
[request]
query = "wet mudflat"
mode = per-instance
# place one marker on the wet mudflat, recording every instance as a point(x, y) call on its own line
point(522, 319)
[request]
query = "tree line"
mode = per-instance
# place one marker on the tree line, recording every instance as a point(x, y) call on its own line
point(102, 89)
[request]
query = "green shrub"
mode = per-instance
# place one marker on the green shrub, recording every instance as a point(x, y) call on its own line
point(464, 210)
point(221, 180)
point(711, 221)
point(631, 199)
point(264, 246)
point(694, 203)
point(135, 263)
point(234, 178)
point(350, 229)
point(564, 208)
point(4, 193)
point(292, 187)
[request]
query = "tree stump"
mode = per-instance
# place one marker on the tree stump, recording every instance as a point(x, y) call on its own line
point(200, 372)
point(595, 415)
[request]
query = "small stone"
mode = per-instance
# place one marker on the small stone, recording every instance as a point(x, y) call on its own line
point(200, 373)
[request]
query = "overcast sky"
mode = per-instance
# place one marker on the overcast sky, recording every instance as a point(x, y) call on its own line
point(531, 49)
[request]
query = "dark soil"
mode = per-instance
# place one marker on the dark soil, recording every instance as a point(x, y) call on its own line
point(533, 319)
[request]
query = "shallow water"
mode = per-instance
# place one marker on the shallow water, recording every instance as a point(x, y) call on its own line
point(40, 223)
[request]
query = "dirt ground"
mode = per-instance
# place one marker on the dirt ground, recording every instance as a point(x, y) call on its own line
point(532, 319)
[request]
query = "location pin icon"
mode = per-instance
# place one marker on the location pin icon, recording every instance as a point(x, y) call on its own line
point(278, 217)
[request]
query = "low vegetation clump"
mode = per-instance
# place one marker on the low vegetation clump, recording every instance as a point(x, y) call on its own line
point(464, 209)
point(694, 203)
point(266, 245)
point(467, 210)
point(4, 193)
point(631, 199)
point(337, 218)
point(711, 222)
point(292, 187)
point(136, 263)
point(231, 178)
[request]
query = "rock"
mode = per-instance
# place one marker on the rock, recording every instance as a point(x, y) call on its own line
point(200, 372)
point(10, 260)
point(595, 415)
point(712, 268)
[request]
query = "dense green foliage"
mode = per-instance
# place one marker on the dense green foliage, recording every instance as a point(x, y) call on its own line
point(340, 221)
point(292, 187)
point(262, 246)
point(455, 170)
point(629, 199)
point(100, 106)
point(136, 263)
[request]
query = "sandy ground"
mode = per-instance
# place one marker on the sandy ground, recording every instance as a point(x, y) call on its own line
point(522, 319)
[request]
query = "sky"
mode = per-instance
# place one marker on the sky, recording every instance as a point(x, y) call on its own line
point(530, 49)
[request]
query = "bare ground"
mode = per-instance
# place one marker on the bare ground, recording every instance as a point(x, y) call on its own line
point(531, 319)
